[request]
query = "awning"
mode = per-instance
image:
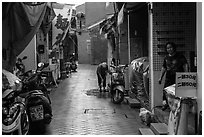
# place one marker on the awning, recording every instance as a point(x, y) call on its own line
point(94, 25)
point(99, 22)
point(56, 5)
point(134, 5)
point(130, 7)
point(108, 25)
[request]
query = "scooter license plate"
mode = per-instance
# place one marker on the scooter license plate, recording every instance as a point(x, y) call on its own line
point(36, 113)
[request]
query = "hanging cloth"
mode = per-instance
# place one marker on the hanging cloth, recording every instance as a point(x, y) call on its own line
point(20, 23)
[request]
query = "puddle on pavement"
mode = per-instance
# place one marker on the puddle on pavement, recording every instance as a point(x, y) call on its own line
point(95, 92)
point(99, 111)
point(109, 112)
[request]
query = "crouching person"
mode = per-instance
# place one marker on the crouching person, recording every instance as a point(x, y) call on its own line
point(101, 72)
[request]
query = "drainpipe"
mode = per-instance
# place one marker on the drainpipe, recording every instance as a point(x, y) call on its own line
point(109, 52)
point(118, 51)
point(129, 57)
point(117, 36)
point(150, 25)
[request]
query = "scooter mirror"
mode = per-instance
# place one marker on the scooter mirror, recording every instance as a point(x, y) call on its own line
point(112, 66)
point(46, 65)
point(25, 57)
point(41, 64)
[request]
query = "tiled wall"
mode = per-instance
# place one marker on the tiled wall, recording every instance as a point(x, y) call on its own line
point(175, 22)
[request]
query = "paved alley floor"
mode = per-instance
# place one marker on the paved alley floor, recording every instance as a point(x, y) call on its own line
point(75, 112)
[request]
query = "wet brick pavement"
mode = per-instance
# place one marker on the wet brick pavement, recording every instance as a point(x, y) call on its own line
point(77, 113)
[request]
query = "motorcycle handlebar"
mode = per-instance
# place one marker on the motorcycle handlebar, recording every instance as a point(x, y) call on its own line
point(26, 73)
point(35, 75)
point(119, 66)
point(44, 66)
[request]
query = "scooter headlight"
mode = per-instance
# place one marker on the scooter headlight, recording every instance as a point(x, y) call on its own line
point(18, 85)
point(117, 82)
point(115, 76)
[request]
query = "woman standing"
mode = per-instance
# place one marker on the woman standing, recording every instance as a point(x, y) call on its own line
point(173, 62)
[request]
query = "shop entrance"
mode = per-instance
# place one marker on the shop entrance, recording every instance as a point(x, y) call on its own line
point(139, 52)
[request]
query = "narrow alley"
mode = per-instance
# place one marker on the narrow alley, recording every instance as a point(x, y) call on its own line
point(102, 68)
point(78, 112)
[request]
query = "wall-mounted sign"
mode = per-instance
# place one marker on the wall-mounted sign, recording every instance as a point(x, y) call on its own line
point(186, 84)
point(41, 49)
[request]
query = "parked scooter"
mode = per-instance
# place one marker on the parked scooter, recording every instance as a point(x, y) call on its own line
point(14, 115)
point(38, 102)
point(19, 68)
point(68, 68)
point(117, 84)
point(35, 79)
point(73, 65)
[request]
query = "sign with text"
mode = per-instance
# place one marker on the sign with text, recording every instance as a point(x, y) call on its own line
point(186, 84)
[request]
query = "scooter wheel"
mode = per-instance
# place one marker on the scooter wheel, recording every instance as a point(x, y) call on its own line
point(25, 124)
point(38, 127)
point(119, 99)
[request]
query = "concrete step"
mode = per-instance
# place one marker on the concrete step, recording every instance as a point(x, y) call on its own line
point(159, 128)
point(163, 117)
point(146, 131)
point(126, 99)
point(133, 103)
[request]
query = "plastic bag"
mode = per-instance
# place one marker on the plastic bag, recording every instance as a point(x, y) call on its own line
point(139, 81)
